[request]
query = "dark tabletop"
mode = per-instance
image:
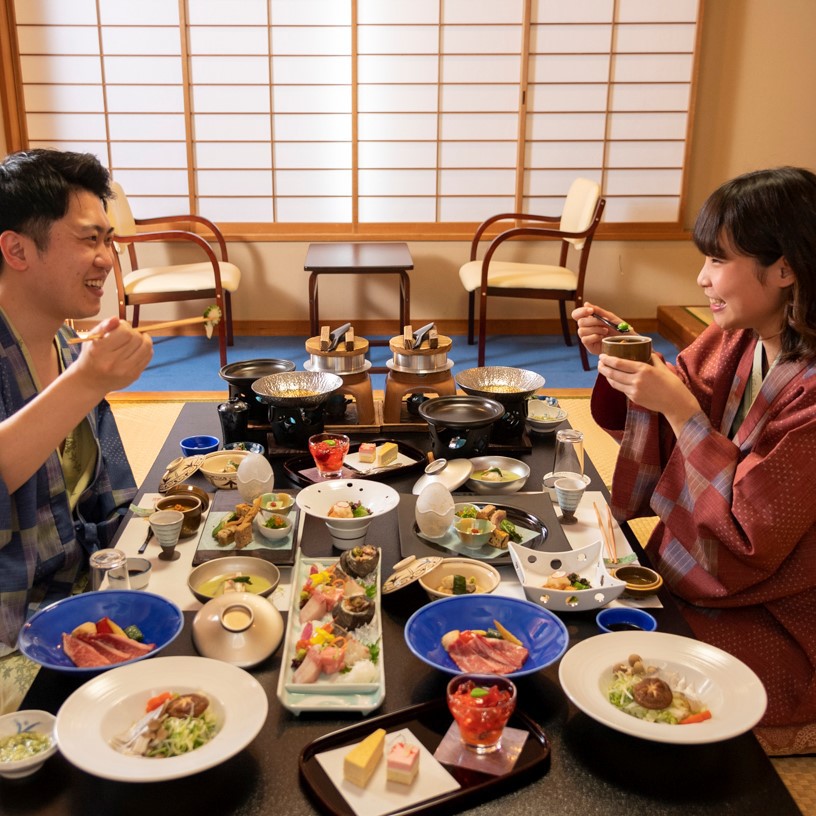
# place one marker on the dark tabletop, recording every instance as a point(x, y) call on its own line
point(358, 257)
point(594, 771)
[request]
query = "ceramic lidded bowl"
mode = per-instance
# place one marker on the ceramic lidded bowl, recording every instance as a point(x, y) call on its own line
point(497, 474)
point(17, 725)
point(214, 573)
point(189, 506)
point(479, 577)
point(221, 468)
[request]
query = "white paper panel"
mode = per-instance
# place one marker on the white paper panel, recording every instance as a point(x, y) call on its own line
point(145, 98)
point(393, 68)
point(648, 126)
point(231, 98)
point(372, 126)
point(549, 183)
point(311, 70)
point(587, 11)
point(654, 67)
point(479, 68)
point(657, 97)
point(61, 126)
point(225, 155)
point(312, 99)
point(137, 40)
point(641, 209)
point(314, 210)
point(478, 126)
point(417, 11)
point(397, 40)
point(240, 127)
point(463, 39)
point(314, 40)
point(240, 40)
point(145, 12)
point(243, 208)
point(95, 148)
point(313, 12)
point(655, 38)
point(566, 39)
point(474, 209)
point(645, 154)
point(312, 127)
point(564, 154)
point(144, 70)
point(643, 182)
point(56, 69)
point(677, 10)
point(382, 98)
point(64, 98)
point(232, 70)
point(467, 98)
point(148, 154)
point(397, 182)
point(478, 154)
point(227, 12)
point(154, 206)
point(476, 182)
point(483, 11)
point(566, 125)
point(146, 182)
point(569, 68)
point(58, 40)
point(313, 155)
point(396, 154)
point(418, 209)
point(544, 205)
point(567, 98)
point(56, 12)
point(313, 182)
point(234, 182)
point(146, 126)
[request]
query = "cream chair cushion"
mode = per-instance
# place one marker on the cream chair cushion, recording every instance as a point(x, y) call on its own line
point(180, 278)
point(510, 275)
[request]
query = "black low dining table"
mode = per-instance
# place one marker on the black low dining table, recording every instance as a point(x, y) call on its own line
point(592, 769)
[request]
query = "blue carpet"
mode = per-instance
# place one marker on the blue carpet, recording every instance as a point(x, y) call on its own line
point(191, 363)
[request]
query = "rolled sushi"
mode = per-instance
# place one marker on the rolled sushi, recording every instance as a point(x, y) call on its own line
point(360, 561)
point(353, 612)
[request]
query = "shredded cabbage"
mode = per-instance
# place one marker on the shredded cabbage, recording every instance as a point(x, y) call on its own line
point(621, 696)
point(184, 734)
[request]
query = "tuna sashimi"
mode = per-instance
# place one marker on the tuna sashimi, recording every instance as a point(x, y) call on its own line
point(483, 655)
point(314, 609)
point(125, 644)
point(81, 654)
point(309, 670)
point(114, 655)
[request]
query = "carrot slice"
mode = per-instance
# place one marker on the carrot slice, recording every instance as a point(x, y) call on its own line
point(155, 702)
point(700, 716)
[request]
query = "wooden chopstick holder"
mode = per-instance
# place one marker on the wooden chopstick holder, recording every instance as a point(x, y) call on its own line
point(187, 321)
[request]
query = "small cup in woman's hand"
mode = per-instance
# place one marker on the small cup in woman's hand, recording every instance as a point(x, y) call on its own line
point(628, 347)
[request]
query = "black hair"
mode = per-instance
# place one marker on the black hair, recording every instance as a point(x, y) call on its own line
point(35, 186)
point(767, 215)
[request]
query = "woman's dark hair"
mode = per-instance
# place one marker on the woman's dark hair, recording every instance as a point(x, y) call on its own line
point(35, 186)
point(765, 215)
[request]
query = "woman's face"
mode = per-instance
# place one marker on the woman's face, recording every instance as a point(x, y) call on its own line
point(744, 295)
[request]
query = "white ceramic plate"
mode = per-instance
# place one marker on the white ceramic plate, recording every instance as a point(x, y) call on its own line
point(110, 703)
point(732, 692)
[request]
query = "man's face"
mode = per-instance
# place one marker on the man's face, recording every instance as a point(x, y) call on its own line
point(68, 276)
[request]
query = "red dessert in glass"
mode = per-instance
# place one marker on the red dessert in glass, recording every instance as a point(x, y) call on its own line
point(481, 704)
point(329, 450)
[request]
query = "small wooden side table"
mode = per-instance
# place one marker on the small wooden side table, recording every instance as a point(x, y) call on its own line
point(348, 258)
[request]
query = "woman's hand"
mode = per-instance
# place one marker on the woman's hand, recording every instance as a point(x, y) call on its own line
point(592, 331)
point(653, 386)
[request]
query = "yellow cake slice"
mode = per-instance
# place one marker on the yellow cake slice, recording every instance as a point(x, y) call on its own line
point(386, 453)
point(359, 763)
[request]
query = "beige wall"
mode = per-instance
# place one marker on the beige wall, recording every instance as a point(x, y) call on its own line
point(755, 108)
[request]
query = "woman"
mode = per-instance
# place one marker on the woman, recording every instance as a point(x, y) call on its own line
point(722, 447)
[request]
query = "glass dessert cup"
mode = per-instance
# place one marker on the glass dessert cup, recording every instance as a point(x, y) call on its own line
point(328, 451)
point(481, 704)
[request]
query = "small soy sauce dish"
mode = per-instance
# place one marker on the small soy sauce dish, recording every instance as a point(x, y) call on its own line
point(625, 619)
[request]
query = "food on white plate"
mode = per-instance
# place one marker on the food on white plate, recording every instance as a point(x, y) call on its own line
point(459, 585)
point(234, 582)
point(360, 561)
point(654, 695)
point(174, 724)
point(361, 761)
point(347, 509)
point(103, 643)
point(485, 651)
point(24, 745)
point(386, 453)
point(402, 762)
point(494, 474)
point(367, 452)
point(236, 527)
point(563, 581)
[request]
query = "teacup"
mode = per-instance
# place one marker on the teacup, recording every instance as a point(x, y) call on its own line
point(568, 491)
point(633, 347)
point(166, 526)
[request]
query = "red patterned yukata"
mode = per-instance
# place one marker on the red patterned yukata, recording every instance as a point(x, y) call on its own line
point(736, 542)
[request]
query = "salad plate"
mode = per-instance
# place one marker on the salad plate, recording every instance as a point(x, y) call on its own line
point(730, 690)
point(109, 704)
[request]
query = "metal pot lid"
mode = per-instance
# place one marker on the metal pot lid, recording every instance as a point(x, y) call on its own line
point(409, 570)
point(390, 364)
point(179, 470)
point(251, 370)
point(449, 473)
point(305, 389)
point(316, 365)
point(502, 383)
point(461, 412)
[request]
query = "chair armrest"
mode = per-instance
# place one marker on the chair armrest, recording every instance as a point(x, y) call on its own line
point(197, 219)
point(506, 217)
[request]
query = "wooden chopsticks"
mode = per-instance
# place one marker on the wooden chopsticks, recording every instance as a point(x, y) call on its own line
point(187, 321)
point(607, 533)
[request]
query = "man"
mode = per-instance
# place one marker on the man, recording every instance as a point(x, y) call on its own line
point(64, 478)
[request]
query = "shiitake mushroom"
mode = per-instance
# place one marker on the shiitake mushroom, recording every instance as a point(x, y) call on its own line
point(653, 693)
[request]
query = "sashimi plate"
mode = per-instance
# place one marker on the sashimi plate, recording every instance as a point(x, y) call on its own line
point(542, 633)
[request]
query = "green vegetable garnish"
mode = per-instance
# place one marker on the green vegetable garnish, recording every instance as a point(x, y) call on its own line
point(134, 633)
point(459, 585)
point(623, 326)
point(494, 470)
point(479, 692)
point(224, 521)
point(510, 529)
point(330, 443)
point(242, 579)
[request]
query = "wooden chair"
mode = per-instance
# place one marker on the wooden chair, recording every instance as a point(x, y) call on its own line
point(213, 279)
point(575, 228)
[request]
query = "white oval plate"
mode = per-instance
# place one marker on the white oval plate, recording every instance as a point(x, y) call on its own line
point(731, 690)
point(110, 703)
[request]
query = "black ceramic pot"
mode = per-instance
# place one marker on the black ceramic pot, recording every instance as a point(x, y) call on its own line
point(460, 427)
point(240, 377)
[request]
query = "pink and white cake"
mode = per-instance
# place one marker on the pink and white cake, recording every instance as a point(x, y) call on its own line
point(367, 452)
point(403, 762)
